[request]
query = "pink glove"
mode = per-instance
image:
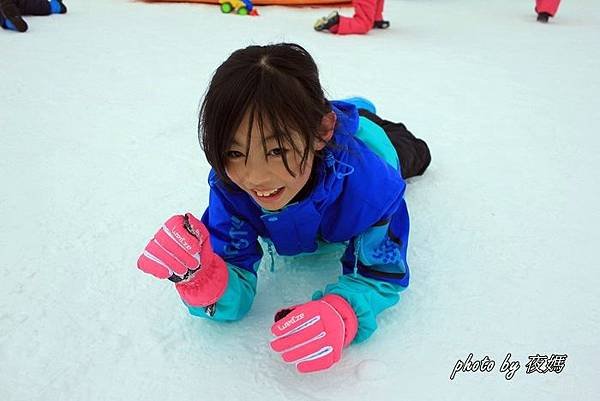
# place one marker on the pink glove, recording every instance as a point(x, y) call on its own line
point(181, 252)
point(313, 334)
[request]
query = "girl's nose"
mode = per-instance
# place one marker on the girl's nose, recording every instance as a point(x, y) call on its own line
point(257, 171)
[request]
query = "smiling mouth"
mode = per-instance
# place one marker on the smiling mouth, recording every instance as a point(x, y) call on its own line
point(267, 195)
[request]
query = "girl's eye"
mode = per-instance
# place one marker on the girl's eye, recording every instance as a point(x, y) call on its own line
point(233, 154)
point(276, 152)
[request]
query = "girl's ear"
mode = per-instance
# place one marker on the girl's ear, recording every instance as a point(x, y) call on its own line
point(326, 130)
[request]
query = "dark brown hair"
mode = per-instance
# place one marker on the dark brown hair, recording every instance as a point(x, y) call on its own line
point(274, 84)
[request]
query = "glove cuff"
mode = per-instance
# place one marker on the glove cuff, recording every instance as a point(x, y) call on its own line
point(347, 313)
point(207, 285)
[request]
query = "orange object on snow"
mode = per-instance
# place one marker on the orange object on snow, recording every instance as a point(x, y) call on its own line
point(264, 2)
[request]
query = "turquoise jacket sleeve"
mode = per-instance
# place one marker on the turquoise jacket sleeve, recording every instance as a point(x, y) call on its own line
point(367, 296)
point(235, 302)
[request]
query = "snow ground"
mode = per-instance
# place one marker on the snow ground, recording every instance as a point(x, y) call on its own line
point(98, 147)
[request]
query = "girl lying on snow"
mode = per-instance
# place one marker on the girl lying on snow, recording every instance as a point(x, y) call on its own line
point(299, 171)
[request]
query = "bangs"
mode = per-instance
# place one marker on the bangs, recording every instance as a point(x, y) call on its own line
point(279, 94)
point(281, 109)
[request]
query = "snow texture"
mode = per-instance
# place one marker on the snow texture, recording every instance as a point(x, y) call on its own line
point(99, 146)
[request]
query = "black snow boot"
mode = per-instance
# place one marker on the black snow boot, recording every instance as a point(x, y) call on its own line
point(543, 17)
point(12, 16)
point(327, 22)
point(383, 24)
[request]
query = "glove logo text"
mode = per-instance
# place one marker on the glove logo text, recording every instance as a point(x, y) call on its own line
point(291, 321)
point(182, 240)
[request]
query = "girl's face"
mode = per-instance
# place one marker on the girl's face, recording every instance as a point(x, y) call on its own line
point(265, 177)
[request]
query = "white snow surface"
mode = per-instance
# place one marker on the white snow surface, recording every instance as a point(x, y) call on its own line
point(99, 146)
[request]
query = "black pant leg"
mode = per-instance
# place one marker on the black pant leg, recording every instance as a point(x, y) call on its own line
point(413, 152)
point(34, 7)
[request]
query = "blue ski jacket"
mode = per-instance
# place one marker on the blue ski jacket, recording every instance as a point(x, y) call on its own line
point(357, 200)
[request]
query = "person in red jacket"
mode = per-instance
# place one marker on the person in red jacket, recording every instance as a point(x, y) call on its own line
point(368, 14)
point(546, 9)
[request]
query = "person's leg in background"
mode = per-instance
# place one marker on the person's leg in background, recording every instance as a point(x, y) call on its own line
point(41, 7)
point(380, 23)
point(10, 16)
point(546, 9)
point(361, 23)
